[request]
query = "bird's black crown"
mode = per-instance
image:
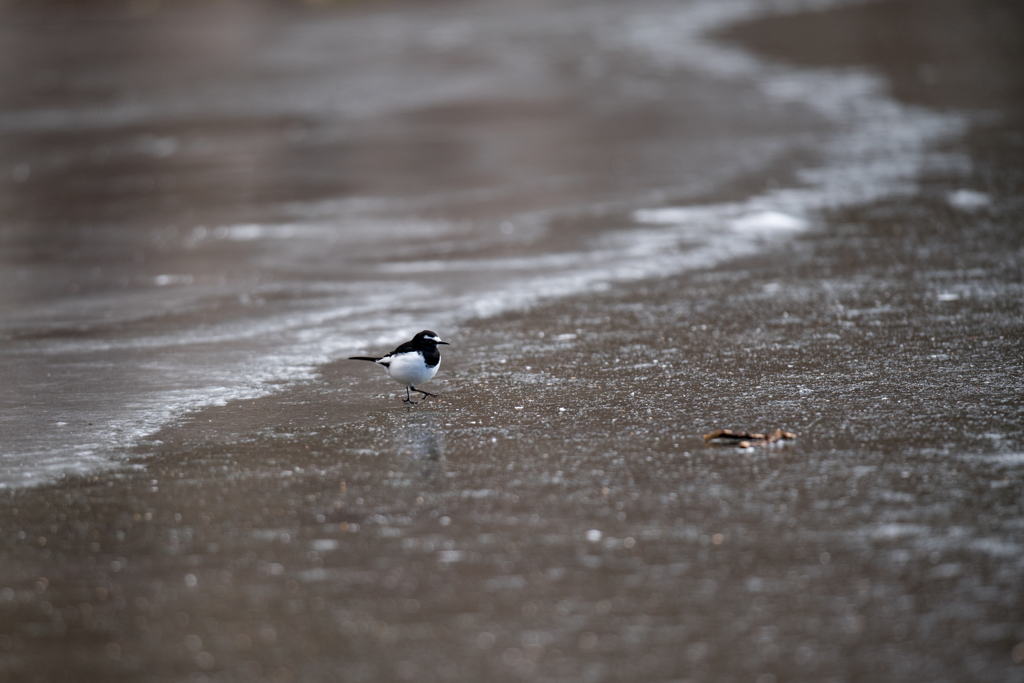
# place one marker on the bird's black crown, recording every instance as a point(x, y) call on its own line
point(427, 338)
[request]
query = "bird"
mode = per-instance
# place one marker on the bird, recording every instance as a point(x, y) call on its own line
point(414, 362)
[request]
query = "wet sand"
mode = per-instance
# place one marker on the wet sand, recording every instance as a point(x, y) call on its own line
point(555, 513)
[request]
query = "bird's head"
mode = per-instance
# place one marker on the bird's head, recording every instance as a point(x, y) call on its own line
point(428, 337)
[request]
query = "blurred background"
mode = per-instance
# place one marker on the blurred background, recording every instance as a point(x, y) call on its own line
point(202, 201)
point(205, 205)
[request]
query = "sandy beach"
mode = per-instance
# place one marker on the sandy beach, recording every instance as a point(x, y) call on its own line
point(556, 515)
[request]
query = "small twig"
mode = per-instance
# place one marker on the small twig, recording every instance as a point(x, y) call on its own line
point(747, 439)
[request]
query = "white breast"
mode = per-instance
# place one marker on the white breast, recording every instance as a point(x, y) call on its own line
point(409, 369)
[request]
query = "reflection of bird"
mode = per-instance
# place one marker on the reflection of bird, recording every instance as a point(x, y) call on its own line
point(414, 362)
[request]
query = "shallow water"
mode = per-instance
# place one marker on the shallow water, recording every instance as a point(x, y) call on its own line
point(224, 199)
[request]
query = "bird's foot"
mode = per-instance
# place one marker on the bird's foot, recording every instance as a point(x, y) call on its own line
point(425, 393)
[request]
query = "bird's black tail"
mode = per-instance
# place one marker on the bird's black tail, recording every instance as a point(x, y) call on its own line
point(372, 360)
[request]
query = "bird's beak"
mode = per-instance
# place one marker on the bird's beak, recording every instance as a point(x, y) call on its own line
point(441, 342)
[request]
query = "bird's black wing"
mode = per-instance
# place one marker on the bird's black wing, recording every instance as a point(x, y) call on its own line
point(385, 360)
point(407, 347)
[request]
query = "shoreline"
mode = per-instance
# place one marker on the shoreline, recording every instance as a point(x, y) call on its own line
point(865, 160)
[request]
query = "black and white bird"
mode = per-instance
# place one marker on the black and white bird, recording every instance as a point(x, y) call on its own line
point(414, 362)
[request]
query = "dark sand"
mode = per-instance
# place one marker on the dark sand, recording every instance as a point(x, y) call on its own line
point(555, 514)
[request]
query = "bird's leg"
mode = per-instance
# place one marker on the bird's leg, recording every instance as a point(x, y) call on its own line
point(425, 393)
point(408, 397)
